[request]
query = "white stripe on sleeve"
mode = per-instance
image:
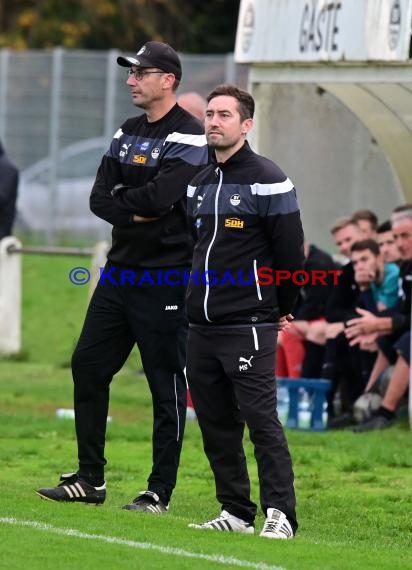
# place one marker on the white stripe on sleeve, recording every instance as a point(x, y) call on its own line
point(184, 138)
point(270, 189)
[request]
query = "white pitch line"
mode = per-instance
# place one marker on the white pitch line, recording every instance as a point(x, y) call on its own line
point(141, 545)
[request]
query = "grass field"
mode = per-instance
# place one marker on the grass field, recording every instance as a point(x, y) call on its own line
point(354, 490)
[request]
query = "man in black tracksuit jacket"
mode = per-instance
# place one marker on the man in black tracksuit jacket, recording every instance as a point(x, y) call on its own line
point(140, 189)
point(247, 224)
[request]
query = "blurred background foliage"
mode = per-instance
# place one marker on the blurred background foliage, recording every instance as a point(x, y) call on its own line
point(191, 26)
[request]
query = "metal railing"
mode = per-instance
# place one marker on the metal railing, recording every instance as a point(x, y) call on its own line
point(11, 282)
point(52, 250)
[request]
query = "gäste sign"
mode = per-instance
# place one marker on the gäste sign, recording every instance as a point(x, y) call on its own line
point(323, 30)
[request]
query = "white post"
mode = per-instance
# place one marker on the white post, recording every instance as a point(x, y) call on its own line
point(10, 297)
point(55, 106)
point(4, 70)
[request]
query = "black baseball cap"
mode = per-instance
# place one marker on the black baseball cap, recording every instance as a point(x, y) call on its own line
point(155, 54)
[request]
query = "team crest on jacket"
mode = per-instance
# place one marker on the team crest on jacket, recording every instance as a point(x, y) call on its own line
point(155, 153)
point(235, 199)
point(234, 223)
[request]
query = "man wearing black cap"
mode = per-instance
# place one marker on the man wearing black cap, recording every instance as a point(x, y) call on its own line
point(140, 189)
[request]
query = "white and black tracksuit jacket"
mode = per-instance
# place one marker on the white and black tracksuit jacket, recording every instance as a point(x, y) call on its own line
point(245, 217)
point(154, 162)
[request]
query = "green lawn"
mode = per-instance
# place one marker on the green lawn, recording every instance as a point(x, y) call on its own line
point(354, 490)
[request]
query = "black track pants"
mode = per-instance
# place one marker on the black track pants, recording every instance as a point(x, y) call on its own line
point(118, 317)
point(231, 378)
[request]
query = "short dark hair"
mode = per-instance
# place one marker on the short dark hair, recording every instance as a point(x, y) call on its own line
point(367, 215)
point(363, 244)
point(402, 208)
point(384, 227)
point(245, 101)
point(401, 213)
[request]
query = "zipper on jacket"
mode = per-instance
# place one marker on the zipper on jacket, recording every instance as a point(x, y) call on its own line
point(219, 173)
point(259, 293)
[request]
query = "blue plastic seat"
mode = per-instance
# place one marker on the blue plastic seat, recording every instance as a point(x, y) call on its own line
point(317, 389)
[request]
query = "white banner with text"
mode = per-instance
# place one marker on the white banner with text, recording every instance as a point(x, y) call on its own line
point(323, 30)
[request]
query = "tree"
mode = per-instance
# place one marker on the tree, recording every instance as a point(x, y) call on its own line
point(191, 26)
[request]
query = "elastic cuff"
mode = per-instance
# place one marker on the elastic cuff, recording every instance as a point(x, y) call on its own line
point(88, 474)
point(388, 414)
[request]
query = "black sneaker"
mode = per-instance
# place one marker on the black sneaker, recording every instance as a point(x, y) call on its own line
point(375, 423)
point(147, 502)
point(71, 489)
point(339, 422)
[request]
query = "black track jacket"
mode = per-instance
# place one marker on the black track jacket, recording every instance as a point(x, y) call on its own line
point(155, 161)
point(246, 218)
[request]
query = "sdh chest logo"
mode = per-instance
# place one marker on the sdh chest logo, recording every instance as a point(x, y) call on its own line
point(235, 223)
point(139, 159)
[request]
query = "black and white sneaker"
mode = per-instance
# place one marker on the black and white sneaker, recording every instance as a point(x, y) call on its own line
point(72, 489)
point(226, 522)
point(276, 525)
point(147, 502)
point(377, 422)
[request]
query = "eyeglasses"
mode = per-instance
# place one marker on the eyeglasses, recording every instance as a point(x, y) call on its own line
point(138, 74)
